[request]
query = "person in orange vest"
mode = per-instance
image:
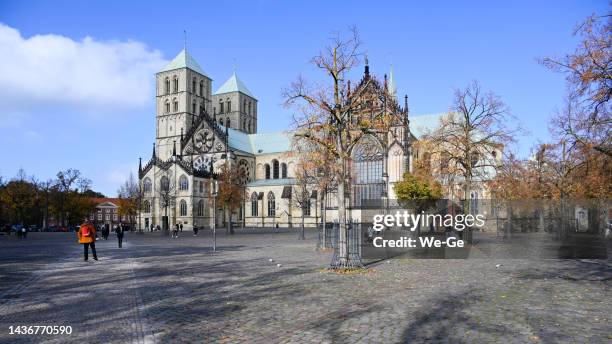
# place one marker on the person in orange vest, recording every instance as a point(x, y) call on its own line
point(87, 237)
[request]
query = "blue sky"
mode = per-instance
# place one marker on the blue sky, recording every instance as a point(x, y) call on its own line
point(76, 77)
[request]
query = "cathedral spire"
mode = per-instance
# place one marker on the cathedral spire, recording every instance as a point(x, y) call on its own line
point(367, 66)
point(174, 148)
point(154, 155)
point(139, 166)
point(392, 88)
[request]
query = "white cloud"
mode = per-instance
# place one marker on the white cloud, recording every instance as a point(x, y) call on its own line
point(55, 71)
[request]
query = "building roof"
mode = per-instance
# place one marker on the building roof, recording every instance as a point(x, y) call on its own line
point(258, 144)
point(184, 60)
point(272, 182)
point(421, 124)
point(100, 201)
point(234, 84)
point(278, 142)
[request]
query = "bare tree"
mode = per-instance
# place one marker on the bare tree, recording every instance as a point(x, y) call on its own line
point(329, 117)
point(469, 138)
point(166, 191)
point(589, 77)
point(130, 199)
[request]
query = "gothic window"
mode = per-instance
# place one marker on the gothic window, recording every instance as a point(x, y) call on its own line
point(146, 206)
point(243, 124)
point(275, 169)
point(194, 106)
point(146, 185)
point(202, 88)
point(283, 170)
point(164, 183)
point(175, 105)
point(200, 208)
point(167, 86)
point(193, 86)
point(167, 107)
point(221, 121)
point(249, 127)
point(249, 108)
point(244, 106)
point(201, 186)
point(254, 204)
point(183, 183)
point(183, 208)
point(271, 204)
point(228, 123)
point(368, 171)
point(175, 86)
point(306, 207)
point(267, 171)
point(229, 105)
point(220, 106)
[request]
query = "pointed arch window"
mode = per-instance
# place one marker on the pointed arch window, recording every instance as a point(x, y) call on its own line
point(175, 101)
point(164, 184)
point(194, 107)
point(202, 88)
point(254, 207)
point(271, 204)
point(147, 186)
point(267, 171)
point(275, 169)
point(249, 108)
point(244, 124)
point(283, 170)
point(175, 86)
point(167, 86)
point(200, 208)
point(221, 106)
point(146, 207)
point(183, 208)
point(167, 107)
point(193, 85)
point(183, 183)
point(229, 105)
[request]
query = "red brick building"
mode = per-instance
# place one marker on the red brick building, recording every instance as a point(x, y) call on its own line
point(107, 213)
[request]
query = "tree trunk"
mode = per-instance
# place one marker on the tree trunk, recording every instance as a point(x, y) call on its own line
point(302, 230)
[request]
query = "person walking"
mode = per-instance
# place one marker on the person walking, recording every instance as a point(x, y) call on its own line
point(181, 227)
point(119, 232)
point(87, 237)
point(175, 231)
point(195, 231)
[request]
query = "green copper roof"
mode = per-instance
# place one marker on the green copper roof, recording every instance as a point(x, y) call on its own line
point(233, 84)
point(258, 144)
point(183, 60)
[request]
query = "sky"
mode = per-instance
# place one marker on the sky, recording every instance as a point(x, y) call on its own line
point(77, 77)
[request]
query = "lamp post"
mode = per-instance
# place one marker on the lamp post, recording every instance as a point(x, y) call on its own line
point(214, 194)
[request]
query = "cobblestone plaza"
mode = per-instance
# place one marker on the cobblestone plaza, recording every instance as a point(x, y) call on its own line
point(159, 290)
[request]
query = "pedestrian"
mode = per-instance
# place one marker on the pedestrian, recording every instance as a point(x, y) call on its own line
point(24, 232)
point(181, 227)
point(195, 231)
point(119, 232)
point(158, 228)
point(152, 228)
point(87, 237)
point(175, 231)
point(106, 231)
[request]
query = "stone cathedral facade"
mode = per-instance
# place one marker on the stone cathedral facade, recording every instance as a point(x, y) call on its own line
point(198, 129)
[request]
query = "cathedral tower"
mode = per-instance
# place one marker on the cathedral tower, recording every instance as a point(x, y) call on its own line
point(183, 91)
point(234, 105)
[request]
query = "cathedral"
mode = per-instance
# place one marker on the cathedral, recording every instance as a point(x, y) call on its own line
point(198, 129)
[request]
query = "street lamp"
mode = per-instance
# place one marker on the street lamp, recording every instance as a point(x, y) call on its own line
point(215, 192)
